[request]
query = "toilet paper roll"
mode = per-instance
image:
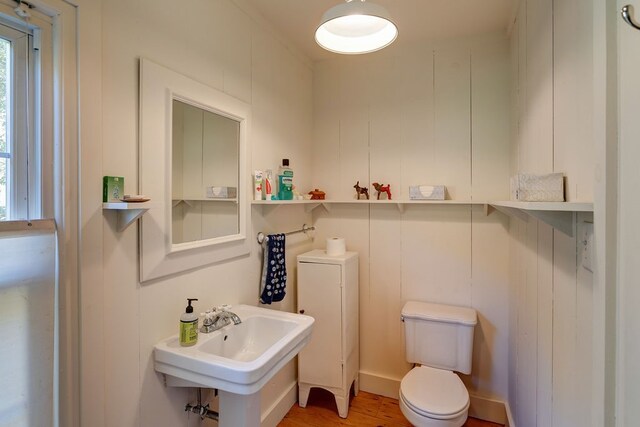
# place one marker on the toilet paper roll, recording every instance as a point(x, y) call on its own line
point(336, 246)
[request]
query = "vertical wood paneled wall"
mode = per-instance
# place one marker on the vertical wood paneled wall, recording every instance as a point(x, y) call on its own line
point(225, 47)
point(428, 114)
point(550, 294)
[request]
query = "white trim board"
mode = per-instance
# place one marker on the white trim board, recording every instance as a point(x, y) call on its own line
point(277, 411)
point(509, 422)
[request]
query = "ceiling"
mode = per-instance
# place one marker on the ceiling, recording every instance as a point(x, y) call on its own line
point(417, 20)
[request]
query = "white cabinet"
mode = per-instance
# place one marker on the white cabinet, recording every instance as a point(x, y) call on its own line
point(328, 292)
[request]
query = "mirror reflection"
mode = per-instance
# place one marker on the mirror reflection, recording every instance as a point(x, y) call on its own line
point(204, 175)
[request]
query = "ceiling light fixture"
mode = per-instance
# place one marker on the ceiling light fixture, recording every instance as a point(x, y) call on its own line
point(356, 27)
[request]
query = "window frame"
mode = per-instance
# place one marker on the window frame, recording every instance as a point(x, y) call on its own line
point(30, 169)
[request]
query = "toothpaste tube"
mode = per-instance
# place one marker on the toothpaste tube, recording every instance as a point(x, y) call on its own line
point(257, 185)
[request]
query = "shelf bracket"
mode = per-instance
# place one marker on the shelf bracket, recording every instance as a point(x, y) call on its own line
point(327, 207)
point(176, 202)
point(562, 221)
point(310, 207)
point(128, 216)
point(514, 212)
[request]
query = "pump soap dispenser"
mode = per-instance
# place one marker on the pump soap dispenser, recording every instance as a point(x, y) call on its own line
point(189, 326)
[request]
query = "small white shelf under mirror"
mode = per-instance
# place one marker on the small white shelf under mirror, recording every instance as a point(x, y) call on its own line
point(127, 212)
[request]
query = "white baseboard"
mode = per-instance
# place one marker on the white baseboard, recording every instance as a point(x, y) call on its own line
point(481, 407)
point(487, 409)
point(510, 422)
point(276, 412)
point(377, 384)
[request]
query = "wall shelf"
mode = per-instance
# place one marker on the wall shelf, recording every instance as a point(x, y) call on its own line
point(559, 215)
point(310, 205)
point(127, 212)
point(189, 201)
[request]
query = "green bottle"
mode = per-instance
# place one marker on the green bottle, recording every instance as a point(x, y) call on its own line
point(285, 181)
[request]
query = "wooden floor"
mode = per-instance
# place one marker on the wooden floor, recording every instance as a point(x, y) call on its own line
point(366, 410)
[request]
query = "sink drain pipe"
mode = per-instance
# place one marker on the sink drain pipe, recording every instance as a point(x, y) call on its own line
point(202, 410)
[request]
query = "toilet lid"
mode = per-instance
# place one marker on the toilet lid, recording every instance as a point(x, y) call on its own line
point(434, 393)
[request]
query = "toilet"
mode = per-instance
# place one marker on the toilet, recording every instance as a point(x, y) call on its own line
point(439, 340)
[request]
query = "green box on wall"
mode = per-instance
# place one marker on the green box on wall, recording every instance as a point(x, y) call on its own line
point(112, 188)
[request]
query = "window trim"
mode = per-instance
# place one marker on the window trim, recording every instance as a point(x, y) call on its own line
point(35, 166)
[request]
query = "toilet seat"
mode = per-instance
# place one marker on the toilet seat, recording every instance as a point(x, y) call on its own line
point(434, 393)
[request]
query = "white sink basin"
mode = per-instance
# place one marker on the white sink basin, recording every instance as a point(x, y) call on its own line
point(237, 359)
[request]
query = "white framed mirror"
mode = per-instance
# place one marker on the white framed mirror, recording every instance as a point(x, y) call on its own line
point(193, 166)
point(204, 174)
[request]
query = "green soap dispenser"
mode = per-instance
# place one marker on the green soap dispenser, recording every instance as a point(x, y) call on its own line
point(189, 326)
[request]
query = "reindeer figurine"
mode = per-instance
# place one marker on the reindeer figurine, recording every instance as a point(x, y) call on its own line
point(361, 190)
point(382, 189)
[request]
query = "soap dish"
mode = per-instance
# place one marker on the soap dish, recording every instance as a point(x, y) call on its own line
point(136, 198)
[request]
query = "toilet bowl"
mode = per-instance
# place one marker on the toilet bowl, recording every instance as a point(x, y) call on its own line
point(431, 397)
point(438, 338)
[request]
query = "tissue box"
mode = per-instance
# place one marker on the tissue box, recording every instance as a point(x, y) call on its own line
point(222, 192)
point(538, 188)
point(427, 192)
point(112, 188)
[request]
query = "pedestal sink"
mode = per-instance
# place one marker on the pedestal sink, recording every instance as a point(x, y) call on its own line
point(237, 359)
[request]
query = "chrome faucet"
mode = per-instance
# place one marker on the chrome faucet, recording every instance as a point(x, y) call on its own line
point(217, 318)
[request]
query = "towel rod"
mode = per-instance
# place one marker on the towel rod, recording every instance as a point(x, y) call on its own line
point(262, 238)
point(626, 12)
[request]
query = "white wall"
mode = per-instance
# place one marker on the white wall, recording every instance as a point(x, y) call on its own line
point(220, 44)
point(551, 295)
point(427, 114)
point(606, 19)
point(628, 318)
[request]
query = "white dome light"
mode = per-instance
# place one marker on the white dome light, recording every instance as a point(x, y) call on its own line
point(356, 27)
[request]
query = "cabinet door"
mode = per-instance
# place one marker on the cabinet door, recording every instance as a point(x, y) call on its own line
point(319, 296)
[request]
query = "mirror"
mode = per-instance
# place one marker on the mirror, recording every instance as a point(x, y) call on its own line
point(204, 175)
point(194, 167)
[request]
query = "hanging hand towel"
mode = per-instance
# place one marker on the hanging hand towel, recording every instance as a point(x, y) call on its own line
point(274, 270)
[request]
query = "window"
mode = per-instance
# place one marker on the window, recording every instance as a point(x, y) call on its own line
point(5, 154)
point(28, 250)
point(20, 123)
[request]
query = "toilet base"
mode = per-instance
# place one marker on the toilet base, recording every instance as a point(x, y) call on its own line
point(419, 420)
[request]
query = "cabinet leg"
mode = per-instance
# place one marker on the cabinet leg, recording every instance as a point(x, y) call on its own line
point(356, 386)
point(303, 395)
point(342, 402)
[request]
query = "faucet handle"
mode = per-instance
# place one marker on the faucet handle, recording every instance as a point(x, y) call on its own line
point(223, 307)
point(207, 321)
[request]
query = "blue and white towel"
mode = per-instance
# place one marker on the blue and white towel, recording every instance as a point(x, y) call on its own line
point(274, 270)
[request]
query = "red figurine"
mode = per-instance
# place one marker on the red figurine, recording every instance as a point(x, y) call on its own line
point(382, 189)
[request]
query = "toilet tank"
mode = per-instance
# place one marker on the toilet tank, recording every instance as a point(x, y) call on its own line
point(440, 336)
